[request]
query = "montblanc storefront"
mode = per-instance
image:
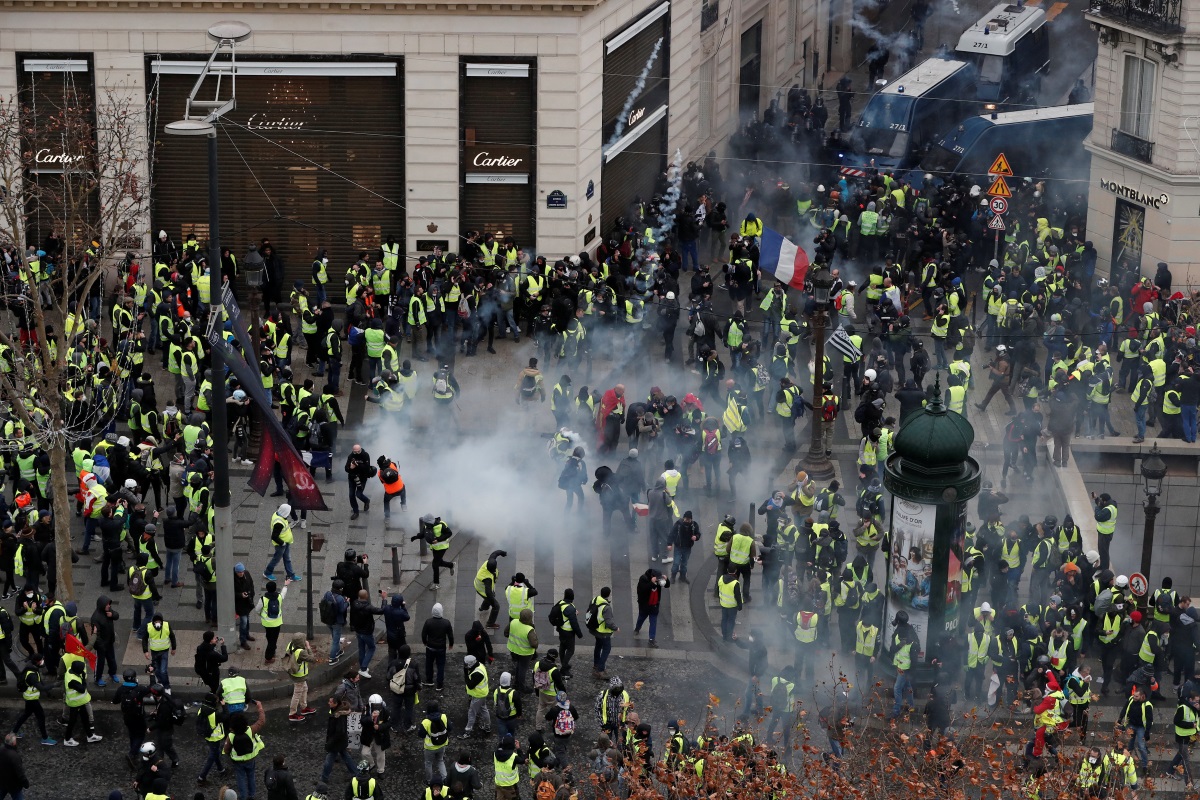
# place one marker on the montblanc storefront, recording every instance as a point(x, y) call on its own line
point(636, 159)
point(498, 101)
point(313, 156)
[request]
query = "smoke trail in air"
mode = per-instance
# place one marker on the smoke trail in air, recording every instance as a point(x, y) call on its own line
point(623, 119)
point(665, 221)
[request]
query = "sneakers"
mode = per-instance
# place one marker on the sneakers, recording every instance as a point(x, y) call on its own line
point(667, 559)
point(99, 682)
point(353, 516)
point(333, 661)
point(435, 586)
point(294, 577)
point(70, 743)
point(653, 643)
point(295, 718)
point(267, 576)
point(95, 737)
point(308, 710)
point(362, 673)
point(303, 524)
point(49, 742)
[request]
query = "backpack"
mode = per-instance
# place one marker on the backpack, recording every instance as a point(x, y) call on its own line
point(389, 475)
point(316, 437)
point(136, 583)
point(545, 789)
point(860, 413)
point(270, 780)
point(829, 410)
point(504, 709)
point(564, 723)
point(528, 386)
point(541, 679)
point(591, 617)
point(699, 330)
point(440, 384)
point(399, 682)
point(292, 424)
point(438, 737)
point(712, 445)
point(556, 619)
point(328, 609)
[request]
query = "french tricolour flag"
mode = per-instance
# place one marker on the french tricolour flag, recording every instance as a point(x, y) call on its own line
point(781, 257)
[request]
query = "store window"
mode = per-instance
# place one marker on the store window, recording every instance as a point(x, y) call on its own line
point(1137, 96)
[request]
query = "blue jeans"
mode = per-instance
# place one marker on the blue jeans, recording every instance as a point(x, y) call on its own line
point(244, 770)
point(1137, 743)
point(89, 530)
point(690, 250)
point(335, 374)
point(335, 646)
point(243, 629)
point(172, 566)
point(366, 649)
point(213, 760)
point(679, 563)
point(728, 620)
point(1139, 414)
point(903, 693)
point(506, 727)
point(356, 494)
point(160, 660)
point(106, 656)
point(327, 770)
point(284, 552)
point(142, 608)
point(1189, 422)
point(642, 617)
point(600, 653)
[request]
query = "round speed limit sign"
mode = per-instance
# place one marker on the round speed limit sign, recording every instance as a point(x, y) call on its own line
point(1138, 584)
point(999, 205)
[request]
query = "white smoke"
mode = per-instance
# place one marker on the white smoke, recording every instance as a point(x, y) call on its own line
point(638, 87)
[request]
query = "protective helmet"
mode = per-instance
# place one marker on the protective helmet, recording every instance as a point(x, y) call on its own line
point(338, 585)
point(1122, 581)
point(1050, 522)
point(428, 519)
point(1043, 661)
point(870, 374)
point(728, 520)
point(901, 618)
point(156, 689)
point(350, 554)
point(286, 373)
point(148, 750)
point(129, 675)
point(364, 767)
point(375, 700)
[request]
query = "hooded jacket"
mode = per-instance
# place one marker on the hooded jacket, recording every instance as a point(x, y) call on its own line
point(478, 642)
point(437, 633)
point(394, 616)
point(362, 616)
point(527, 618)
point(102, 622)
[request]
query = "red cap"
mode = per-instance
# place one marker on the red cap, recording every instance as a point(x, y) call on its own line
point(1191, 330)
point(1136, 616)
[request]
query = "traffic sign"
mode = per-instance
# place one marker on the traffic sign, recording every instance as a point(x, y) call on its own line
point(999, 205)
point(996, 224)
point(999, 188)
point(1138, 584)
point(1000, 166)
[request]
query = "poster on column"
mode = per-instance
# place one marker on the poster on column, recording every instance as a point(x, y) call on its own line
point(910, 568)
point(954, 568)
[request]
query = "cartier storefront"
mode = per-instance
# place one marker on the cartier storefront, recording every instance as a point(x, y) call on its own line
point(498, 136)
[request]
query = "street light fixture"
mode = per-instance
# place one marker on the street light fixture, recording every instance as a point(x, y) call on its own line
point(816, 461)
point(1153, 472)
point(226, 34)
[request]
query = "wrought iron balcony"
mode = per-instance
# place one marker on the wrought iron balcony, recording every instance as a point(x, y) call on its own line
point(1129, 145)
point(710, 11)
point(1159, 16)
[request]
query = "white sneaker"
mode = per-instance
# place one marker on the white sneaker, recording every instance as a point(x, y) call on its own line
point(362, 673)
point(435, 586)
point(95, 737)
point(667, 559)
point(70, 743)
point(303, 524)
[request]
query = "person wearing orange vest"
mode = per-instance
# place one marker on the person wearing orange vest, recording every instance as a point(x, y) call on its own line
point(393, 485)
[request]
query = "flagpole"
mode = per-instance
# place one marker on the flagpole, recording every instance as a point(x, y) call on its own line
point(816, 462)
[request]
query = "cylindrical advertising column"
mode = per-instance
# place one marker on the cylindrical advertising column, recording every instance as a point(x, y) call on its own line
point(931, 477)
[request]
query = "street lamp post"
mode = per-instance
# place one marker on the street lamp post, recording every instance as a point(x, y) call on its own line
point(1153, 472)
point(254, 268)
point(816, 461)
point(226, 35)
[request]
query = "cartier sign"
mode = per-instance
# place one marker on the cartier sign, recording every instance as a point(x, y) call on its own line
point(46, 156)
point(492, 158)
point(635, 116)
point(258, 122)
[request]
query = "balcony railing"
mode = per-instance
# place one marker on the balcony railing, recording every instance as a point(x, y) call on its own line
point(1129, 145)
point(1161, 16)
point(709, 13)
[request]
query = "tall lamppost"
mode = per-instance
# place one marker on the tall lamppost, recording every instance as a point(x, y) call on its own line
point(816, 461)
point(1153, 472)
point(254, 268)
point(226, 35)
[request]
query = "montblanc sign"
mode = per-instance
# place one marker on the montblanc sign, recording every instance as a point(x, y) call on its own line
point(1155, 201)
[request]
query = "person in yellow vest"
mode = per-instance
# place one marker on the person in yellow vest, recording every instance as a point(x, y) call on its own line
point(243, 743)
point(867, 642)
point(158, 645)
point(904, 654)
point(507, 777)
point(270, 613)
point(729, 591)
point(79, 704)
point(297, 659)
point(522, 646)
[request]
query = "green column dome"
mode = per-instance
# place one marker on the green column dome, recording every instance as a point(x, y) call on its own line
point(931, 459)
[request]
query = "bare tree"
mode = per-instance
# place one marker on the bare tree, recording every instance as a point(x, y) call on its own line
point(95, 200)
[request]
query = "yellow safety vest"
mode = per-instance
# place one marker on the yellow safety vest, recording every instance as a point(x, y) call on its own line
point(159, 640)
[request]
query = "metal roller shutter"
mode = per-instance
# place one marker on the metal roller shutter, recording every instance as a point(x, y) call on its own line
point(305, 160)
point(499, 113)
point(633, 173)
point(623, 66)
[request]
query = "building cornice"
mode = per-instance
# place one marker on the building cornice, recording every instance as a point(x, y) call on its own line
point(534, 8)
point(1149, 170)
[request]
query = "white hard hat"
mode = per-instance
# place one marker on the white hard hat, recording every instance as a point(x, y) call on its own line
point(670, 295)
point(985, 608)
point(821, 188)
point(375, 700)
point(130, 483)
point(162, 234)
point(1122, 581)
point(870, 374)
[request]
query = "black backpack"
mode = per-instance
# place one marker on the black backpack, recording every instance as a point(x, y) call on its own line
point(556, 615)
point(528, 385)
point(316, 437)
point(389, 475)
point(328, 609)
point(592, 617)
